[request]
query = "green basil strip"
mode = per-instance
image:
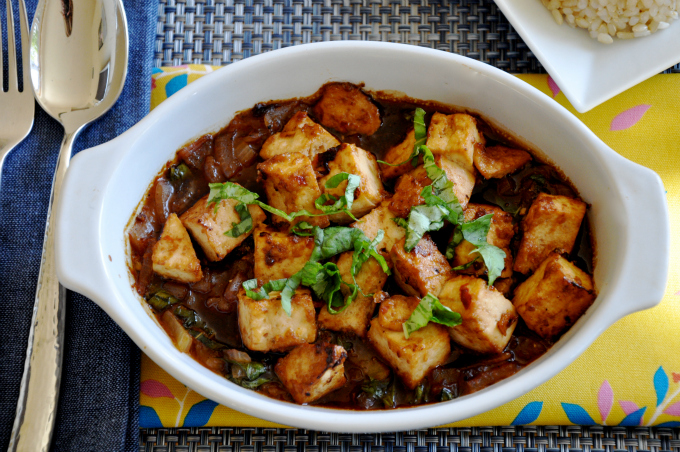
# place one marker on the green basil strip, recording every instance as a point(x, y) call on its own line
point(476, 233)
point(246, 224)
point(430, 310)
point(420, 135)
point(161, 300)
point(253, 369)
point(353, 182)
point(255, 383)
point(178, 173)
point(271, 286)
point(465, 266)
point(302, 229)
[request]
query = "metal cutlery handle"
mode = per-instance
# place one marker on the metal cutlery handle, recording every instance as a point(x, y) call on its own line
point(39, 391)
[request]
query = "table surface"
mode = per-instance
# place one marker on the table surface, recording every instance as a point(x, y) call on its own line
point(220, 32)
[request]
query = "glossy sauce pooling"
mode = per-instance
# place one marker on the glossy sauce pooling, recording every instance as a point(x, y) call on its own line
point(232, 154)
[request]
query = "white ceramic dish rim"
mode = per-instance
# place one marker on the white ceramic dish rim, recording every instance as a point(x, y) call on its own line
point(587, 71)
point(90, 206)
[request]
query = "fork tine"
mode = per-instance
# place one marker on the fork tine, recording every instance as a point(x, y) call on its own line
point(23, 19)
point(11, 50)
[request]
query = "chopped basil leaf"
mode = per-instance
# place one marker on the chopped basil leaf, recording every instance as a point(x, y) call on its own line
point(205, 340)
point(252, 370)
point(420, 135)
point(161, 300)
point(303, 229)
point(465, 266)
point(253, 374)
point(255, 383)
point(476, 232)
point(383, 390)
point(344, 203)
point(178, 173)
point(263, 292)
point(430, 310)
point(246, 224)
point(447, 394)
point(455, 241)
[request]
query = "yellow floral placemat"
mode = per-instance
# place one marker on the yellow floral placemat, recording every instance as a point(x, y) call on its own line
point(630, 376)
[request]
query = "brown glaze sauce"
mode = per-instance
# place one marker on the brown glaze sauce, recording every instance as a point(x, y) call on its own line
point(232, 154)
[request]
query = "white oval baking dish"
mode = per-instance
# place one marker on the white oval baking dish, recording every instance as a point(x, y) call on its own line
point(104, 185)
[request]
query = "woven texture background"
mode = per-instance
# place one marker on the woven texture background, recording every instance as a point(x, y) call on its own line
point(220, 32)
point(482, 439)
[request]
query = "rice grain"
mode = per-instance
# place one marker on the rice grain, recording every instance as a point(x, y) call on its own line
point(624, 19)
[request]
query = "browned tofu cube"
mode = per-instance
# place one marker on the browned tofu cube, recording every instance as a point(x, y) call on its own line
point(501, 232)
point(422, 270)
point(554, 297)
point(311, 371)
point(208, 226)
point(173, 255)
point(497, 161)
point(551, 224)
point(396, 310)
point(265, 326)
point(279, 254)
point(399, 154)
point(354, 160)
point(356, 317)
point(345, 108)
point(300, 134)
point(456, 137)
point(290, 184)
point(488, 317)
point(409, 186)
point(381, 218)
point(413, 358)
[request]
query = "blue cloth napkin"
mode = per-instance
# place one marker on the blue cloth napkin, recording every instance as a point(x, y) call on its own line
point(99, 400)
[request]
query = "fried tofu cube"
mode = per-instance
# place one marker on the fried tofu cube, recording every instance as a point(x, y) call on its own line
point(501, 232)
point(552, 223)
point(265, 326)
point(498, 161)
point(173, 255)
point(279, 254)
point(422, 270)
point(354, 160)
point(290, 185)
point(311, 371)
point(208, 226)
point(409, 186)
point(554, 297)
point(488, 317)
point(300, 134)
point(399, 154)
point(413, 358)
point(381, 218)
point(356, 317)
point(345, 108)
point(456, 137)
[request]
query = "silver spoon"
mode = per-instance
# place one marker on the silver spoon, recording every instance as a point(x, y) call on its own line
point(79, 56)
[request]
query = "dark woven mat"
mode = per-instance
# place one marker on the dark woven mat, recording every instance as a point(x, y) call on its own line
point(220, 32)
point(479, 439)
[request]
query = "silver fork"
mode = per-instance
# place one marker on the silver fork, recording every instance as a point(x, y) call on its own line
point(17, 108)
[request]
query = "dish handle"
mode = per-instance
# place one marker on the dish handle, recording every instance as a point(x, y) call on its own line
point(644, 272)
point(78, 220)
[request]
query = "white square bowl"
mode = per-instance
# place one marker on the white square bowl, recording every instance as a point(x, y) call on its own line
point(587, 71)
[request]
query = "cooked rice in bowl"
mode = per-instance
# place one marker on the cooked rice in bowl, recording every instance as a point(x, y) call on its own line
point(605, 19)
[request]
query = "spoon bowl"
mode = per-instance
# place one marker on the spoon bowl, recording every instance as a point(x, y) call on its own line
point(78, 64)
